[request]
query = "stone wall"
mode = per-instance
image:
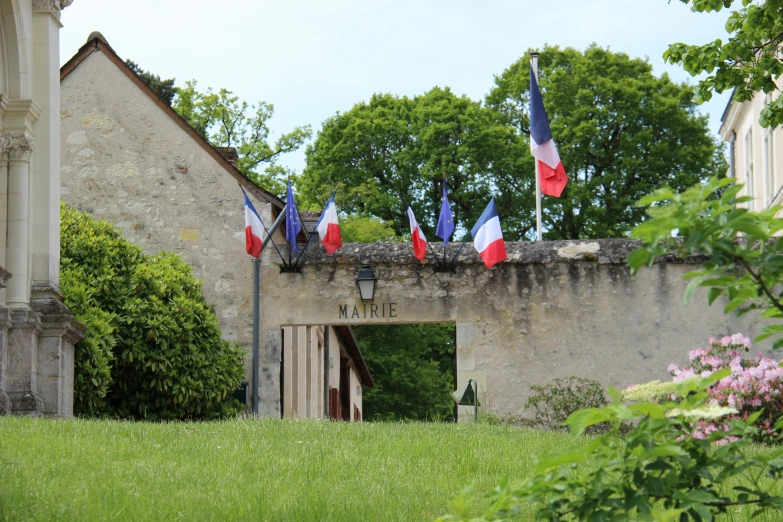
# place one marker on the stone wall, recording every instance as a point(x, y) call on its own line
point(125, 160)
point(554, 309)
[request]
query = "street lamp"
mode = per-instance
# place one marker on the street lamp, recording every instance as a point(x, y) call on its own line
point(366, 281)
point(468, 396)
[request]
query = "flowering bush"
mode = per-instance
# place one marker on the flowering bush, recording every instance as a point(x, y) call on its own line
point(753, 385)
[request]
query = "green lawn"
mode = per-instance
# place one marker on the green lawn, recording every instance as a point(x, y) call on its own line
point(252, 470)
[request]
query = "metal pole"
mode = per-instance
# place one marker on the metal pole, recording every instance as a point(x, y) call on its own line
point(256, 303)
point(534, 66)
point(255, 335)
point(326, 372)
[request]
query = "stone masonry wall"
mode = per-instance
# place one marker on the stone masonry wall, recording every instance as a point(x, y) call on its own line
point(124, 160)
point(554, 309)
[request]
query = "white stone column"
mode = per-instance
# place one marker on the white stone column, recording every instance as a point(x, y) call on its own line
point(20, 148)
point(45, 185)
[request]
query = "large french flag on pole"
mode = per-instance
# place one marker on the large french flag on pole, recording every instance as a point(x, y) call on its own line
point(329, 228)
point(417, 236)
point(254, 229)
point(551, 172)
point(488, 237)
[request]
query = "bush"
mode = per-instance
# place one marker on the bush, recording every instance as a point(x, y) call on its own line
point(753, 385)
point(154, 349)
point(651, 473)
point(552, 404)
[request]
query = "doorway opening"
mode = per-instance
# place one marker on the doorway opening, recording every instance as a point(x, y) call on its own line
point(414, 370)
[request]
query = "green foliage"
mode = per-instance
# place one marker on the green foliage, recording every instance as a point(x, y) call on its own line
point(413, 369)
point(552, 404)
point(151, 326)
point(620, 132)
point(744, 261)
point(226, 121)
point(163, 88)
point(361, 229)
point(654, 472)
point(392, 144)
point(748, 62)
point(95, 353)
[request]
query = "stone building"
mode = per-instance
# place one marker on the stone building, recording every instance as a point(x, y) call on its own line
point(129, 158)
point(755, 153)
point(37, 332)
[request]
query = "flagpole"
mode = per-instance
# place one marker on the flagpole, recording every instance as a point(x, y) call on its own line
point(534, 66)
point(256, 311)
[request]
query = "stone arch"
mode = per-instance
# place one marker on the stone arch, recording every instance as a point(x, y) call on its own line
point(14, 80)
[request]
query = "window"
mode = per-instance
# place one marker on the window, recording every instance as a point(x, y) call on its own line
point(749, 166)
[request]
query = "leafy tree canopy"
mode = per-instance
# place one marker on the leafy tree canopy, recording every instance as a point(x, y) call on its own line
point(748, 62)
point(413, 369)
point(620, 131)
point(163, 88)
point(392, 144)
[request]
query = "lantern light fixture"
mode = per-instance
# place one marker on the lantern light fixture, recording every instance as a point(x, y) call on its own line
point(366, 280)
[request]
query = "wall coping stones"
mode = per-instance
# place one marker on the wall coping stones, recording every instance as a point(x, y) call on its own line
point(601, 251)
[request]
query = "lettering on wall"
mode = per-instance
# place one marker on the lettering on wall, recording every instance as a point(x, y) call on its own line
point(367, 311)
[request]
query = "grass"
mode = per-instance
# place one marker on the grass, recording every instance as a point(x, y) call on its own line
point(253, 469)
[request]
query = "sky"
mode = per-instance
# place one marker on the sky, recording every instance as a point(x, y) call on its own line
point(313, 58)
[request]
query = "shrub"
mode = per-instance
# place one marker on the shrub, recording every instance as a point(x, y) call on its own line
point(651, 473)
point(753, 385)
point(150, 327)
point(552, 404)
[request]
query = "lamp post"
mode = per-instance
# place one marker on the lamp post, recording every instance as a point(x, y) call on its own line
point(366, 280)
point(468, 396)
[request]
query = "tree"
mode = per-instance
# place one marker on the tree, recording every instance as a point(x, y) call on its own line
point(153, 348)
point(413, 369)
point(749, 62)
point(621, 132)
point(409, 145)
point(226, 121)
point(163, 88)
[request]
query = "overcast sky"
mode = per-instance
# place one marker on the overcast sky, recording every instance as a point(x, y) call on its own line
point(312, 58)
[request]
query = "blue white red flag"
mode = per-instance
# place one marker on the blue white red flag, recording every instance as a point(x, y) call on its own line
point(488, 237)
point(292, 223)
point(551, 173)
point(445, 221)
point(254, 229)
point(329, 228)
point(417, 236)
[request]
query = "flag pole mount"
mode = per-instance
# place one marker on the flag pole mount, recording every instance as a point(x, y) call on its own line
point(534, 66)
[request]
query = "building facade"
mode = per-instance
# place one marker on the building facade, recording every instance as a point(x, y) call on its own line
point(37, 332)
point(130, 159)
point(755, 152)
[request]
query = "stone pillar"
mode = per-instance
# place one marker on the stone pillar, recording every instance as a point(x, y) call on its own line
point(45, 174)
point(56, 341)
point(5, 325)
point(20, 147)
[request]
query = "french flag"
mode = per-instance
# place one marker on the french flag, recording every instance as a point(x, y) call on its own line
point(488, 238)
point(417, 236)
point(329, 228)
point(254, 229)
point(551, 173)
